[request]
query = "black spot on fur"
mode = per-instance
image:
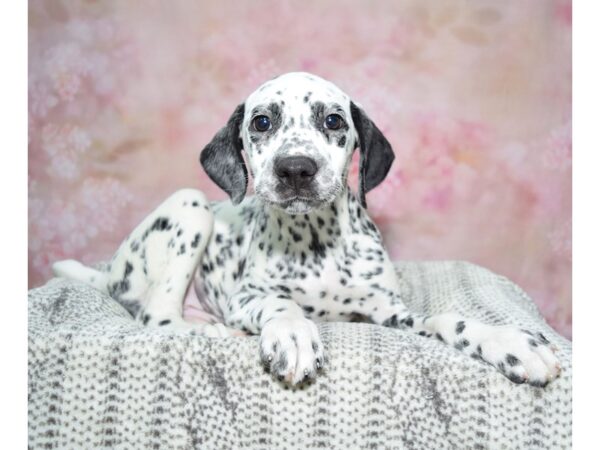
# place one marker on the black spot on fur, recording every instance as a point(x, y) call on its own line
point(281, 363)
point(538, 383)
point(128, 269)
point(161, 224)
point(317, 116)
point(164, 322)
point(283, 288)
point(122, 286)
point(515, 378)
point(460, 326)
point(512, 360)
point(391, 321)
point(542, 338)
point(315, 244)
point(240, 270)
point(462, 344)
point(476, 356)
point(297, 237)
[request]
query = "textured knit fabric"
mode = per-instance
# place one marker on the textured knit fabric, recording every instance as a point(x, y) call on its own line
point(99, 379)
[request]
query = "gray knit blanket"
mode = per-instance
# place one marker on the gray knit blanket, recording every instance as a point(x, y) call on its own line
point(99, 379)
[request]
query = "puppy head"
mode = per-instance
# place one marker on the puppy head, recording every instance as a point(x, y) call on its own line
point(299, 132)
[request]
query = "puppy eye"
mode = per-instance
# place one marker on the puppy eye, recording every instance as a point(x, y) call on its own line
point(261, 123)
point(333, 121)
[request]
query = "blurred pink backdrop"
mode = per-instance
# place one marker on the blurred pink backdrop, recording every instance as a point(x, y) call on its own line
point(475, 97)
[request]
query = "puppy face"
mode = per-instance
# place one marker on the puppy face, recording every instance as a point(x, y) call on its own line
point(299, 137)
point(299, 132)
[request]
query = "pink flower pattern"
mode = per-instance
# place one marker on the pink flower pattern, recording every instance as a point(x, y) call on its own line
point(474, 96)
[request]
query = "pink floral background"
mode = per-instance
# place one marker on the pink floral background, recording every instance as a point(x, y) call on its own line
point(474, 96)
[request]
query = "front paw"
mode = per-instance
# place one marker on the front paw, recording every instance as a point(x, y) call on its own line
point(522, 356)
point(291, 349)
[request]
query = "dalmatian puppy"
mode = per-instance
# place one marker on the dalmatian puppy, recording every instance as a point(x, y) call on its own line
point(301, 251)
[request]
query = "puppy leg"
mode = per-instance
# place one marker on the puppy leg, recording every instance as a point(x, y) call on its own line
point(74, 270)
point(170, 245)
point(520, 355)
point(152, 269)
point(290, 346)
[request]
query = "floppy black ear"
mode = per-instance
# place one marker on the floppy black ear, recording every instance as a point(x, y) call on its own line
point(223, 161)
point(376, 154)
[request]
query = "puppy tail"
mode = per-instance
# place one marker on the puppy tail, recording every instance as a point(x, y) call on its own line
point(74, 270)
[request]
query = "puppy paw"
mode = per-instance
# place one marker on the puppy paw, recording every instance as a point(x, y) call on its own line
point(291, 349)
point(522, 356)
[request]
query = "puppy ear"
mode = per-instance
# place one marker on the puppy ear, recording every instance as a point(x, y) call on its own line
point(223, 161)
point(376, 154)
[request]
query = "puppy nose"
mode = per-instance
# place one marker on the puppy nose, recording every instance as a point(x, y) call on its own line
point(296, 171)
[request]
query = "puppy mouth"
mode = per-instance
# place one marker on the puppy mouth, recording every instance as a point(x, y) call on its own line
point(293, 203)
point(300, 201)
point(298, 204)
